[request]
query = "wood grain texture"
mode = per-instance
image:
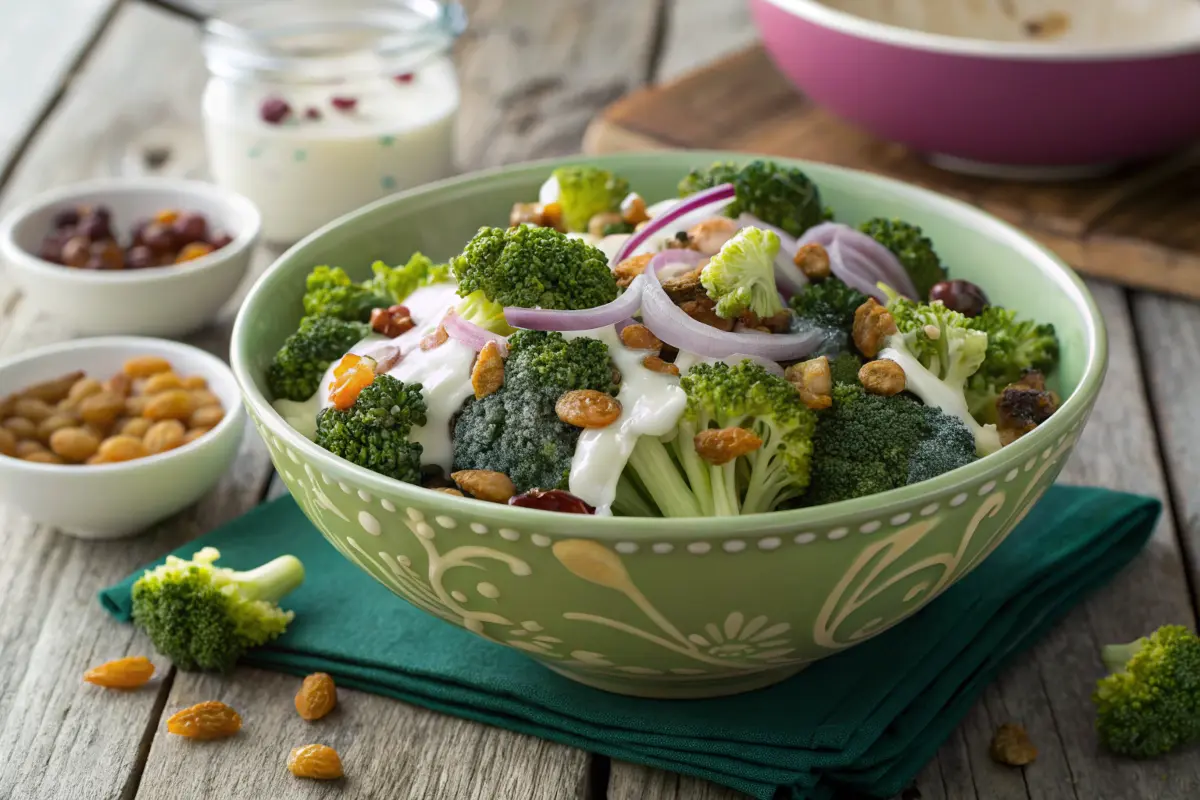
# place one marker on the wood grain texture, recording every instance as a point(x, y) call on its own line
point(742, 102)
point(698, 32)
point(635, 782)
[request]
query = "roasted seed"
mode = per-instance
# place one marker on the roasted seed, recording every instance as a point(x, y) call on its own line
point(883, 377)
point(813, 261)
point(872, 325)
point(484, 484)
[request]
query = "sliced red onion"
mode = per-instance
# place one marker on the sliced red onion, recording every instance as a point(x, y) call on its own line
point(854, 269)
point(736, 358)
point(674, 262)
point(722, 193)
point(788, 277)
point(584, 319)
point(862, 258)
point(625, 323)
point(676, 328)
point(471, 334)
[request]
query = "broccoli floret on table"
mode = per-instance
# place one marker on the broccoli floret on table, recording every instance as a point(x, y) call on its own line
point(778, 195)
point(515, 430)
point(585, 191)
point(741, 277)
point(1014, 346)
point(296, 370)
point(202, 616)
point(373, 433)
point(1150, 704)
point(912, 248)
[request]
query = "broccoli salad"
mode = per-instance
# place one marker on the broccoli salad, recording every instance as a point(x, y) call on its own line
point(734, 350)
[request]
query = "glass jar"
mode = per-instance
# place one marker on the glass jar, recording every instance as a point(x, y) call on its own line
point(314, 108)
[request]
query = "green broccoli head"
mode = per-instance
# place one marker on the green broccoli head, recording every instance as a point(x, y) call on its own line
point(585, 191)
point(867, 443)
point(296, 370)
point(778, 195)
point(829, 304)
point(1013, 347)
point(1150, 704)
point(741, 277)
point(515, 430)
point(534, 267)
point(399, 282)
point(329, 292)
point(373, 433)
point(844, 367)
point(202, 616)
point(912, 248)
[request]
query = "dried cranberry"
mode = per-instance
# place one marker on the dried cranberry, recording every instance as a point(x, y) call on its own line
point(220, 240)
point(274, 110)
point(140, 257)
point(312, 112)
point(190, 227)
point(75, 251)
point(66, 218)
point(159, 238)
point(51, 250)
point(94, 226)
point(962, 296)
point(405, 77)
point(137, 230)
point(343, 103)
point(551, 500)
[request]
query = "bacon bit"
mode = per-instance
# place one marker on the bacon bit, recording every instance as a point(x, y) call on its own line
point(343, 103)
point(352, 374)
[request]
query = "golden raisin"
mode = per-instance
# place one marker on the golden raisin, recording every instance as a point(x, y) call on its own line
point(101, 408)
point(315, 761)
point(203, 397)
point(52, 423)
point(883, 377)
point(703, 309)
point(145, 366)
point(634, 212)
point(162, 382)
point(195, 382)
point(74, 444)
point(639, 337)
point(32, 409)
point(656, 364)
point(488, 373)
point(813, 261)
point(135, 427)
point(20, 427)
point(317, 696)
point(352, 374)
point(27, 447)
point(1011, 745)
point(552, 216)
point(164, 436)
point(120, 384)
point(44, 457)
point(630, 268)
point(121, 448)
point(435, 339)
point(8, 442)
point(208, 720)
point(191, 252)
point(484, 484)
point(85, 387)
point(587, 408)
point(173, 404)
point(721, 445)
point(167, 216)
point(206, 417)
point(123, 673)
point(194, 434)
point(53, 390)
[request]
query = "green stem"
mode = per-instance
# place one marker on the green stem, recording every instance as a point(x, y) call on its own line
point(273, 580)
point(658, 473)
point(1116, 656)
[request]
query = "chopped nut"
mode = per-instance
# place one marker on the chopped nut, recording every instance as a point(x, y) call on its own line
point(684, 287)
point(1023, 406)
point(813, 381)
point(488, 373)
point(776, 323)
point(882, 377)
point(435, 339)
point(656, 364)
point(1011, 745)
point(485, 484)
point(391, 322)
point(872, 324)
point(639, 337)
point(813, 261)
point(721, 445)
point(633, 210)
point(711, 235)
point(599, 222)
point(587, 408)
point(703, 310)
point(630, 268)
point(526, 214)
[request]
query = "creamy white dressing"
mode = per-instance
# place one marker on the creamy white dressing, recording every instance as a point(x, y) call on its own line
point(651, 404)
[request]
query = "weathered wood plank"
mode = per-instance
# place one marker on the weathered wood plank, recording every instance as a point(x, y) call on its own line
point(635, 782)
point(698, 32)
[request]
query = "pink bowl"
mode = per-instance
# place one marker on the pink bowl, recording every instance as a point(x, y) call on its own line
point(982, 104)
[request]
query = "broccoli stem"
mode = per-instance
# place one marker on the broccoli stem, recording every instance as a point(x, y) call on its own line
point(653, 465)
point(725, 494)
point(273, 580)
point(1116, 656)
point(630, 501)
point(694, 467)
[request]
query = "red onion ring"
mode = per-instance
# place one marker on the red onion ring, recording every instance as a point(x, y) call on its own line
point(862, 261)
point(676, 328)
point(584, 319)
point(471, 334)
point(721, 193)
point(674, 262)
point(854, 269)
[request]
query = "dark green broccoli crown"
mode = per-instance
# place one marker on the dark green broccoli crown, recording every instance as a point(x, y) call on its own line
point(844, 367)
point(329, 292)
point(947, 444)
point(914, 250)
point(1013, 346)
point(296, 370)
point(534, 267)
point(189, 621)
point(781, 196)
point(516, 430)
point(1152, 704)
point(829, 303)
point(373, 433)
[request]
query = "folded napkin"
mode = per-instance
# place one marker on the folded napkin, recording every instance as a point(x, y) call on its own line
point(865, 720)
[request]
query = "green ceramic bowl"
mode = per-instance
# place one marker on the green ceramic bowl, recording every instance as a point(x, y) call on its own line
point(681, 607)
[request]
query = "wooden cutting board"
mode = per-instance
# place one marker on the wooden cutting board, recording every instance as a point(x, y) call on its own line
point(1140, 227)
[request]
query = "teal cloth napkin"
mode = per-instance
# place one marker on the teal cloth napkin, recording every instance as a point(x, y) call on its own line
point(865, 720)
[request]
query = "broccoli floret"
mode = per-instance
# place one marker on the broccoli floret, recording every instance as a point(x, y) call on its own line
point(202, 616)
point(844, 368)
point(1013, 347)
point(373, 433)
point(1150, 704)
point(741, 277)
point(529, 267)
point(329, 292)
point(746, 396)
point(585, 191)
point(912, 248)
point(296, 370)
point(936, 368)
point(829, 304)
point(515, 430)
point(778, 195)
point(867, 443)
point(399, 282)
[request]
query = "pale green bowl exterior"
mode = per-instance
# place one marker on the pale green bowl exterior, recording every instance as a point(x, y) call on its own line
point(673, 608)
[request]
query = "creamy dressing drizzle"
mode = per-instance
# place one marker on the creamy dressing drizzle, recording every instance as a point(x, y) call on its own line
point(651, 404)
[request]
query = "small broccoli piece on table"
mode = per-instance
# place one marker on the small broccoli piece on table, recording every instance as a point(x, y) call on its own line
point(912, 248)
point(296, 370)
point(741, 277)
point(205, 617)
point(329, 292)
point(778, 195)
point(373, 433)
point(1150, 704)
point(1014, 347)
point(515, 430)
point(585, 191)
point(399, 282)
point(529, 267)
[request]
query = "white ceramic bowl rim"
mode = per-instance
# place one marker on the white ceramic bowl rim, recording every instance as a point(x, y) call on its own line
point(213, 366)
point(249, 224)
point(826, 16)
point(883, 504)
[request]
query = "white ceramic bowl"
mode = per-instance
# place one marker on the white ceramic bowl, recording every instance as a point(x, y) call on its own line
point(161, 301)
point(115, 500)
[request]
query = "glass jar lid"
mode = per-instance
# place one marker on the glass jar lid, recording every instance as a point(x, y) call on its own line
point(318, 41)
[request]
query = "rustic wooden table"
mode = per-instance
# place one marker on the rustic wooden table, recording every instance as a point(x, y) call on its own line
point(100, 87)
